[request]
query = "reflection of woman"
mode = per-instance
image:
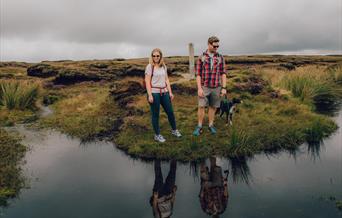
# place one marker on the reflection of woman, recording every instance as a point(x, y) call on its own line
point(163, 196)
point(214, 189)
point(159, 93)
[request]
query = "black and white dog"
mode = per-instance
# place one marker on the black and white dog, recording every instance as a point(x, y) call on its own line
point(228, 107)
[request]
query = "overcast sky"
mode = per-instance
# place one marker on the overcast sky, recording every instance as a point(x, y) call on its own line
point(36, 30)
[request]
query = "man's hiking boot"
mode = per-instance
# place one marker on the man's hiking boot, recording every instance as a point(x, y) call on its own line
point(197, 131)
point(212, 129)
point(176, 133)
point(159, 138)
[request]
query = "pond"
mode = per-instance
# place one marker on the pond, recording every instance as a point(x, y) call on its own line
point(69, 179)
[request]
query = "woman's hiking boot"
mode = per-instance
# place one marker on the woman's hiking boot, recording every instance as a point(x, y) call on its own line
point(159, 138)
point(176, 133)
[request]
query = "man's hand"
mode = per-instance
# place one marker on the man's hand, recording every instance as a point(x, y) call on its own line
point(200, 92)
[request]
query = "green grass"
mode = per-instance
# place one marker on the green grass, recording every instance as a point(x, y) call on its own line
point(82, 111)
point(12, 117)
point(261, 123)
point(336, 74)
point(315, 87)
point(18, 95)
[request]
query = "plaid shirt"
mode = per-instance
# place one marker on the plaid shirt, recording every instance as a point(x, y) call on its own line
point(210, 69)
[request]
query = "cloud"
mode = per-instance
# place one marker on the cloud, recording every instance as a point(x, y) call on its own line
point(101, 29)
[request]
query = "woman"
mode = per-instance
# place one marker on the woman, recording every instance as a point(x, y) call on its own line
point(159, 93)
point(164, 193)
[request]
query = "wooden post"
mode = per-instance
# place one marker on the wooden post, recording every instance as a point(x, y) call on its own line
point(191, 61)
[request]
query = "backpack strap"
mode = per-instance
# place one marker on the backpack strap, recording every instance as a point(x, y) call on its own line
point(152, 66)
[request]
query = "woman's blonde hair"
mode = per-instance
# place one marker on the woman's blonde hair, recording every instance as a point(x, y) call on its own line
point(161, 61)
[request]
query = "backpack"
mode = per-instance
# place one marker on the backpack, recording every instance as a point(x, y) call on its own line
point(202, 57)
point(144, 82)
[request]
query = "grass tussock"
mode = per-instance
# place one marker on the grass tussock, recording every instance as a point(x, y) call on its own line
point(336, 74)
point(18, 95)
point(312, 85)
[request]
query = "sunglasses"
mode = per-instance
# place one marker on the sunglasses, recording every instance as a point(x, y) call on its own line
point(156, 56)
point(216, 46)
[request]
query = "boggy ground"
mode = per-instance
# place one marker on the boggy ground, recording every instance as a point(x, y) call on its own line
point(11, 154)
point(104, 99)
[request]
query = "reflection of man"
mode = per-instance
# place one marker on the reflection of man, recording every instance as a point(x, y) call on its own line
point(214, 189)
point(164, 194)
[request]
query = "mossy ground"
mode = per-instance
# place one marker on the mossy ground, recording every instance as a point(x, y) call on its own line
point(261, 123)
point(269, 117)
point(11, 153)
point(82, 111)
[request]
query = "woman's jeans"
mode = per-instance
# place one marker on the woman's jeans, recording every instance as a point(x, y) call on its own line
point(164, 100)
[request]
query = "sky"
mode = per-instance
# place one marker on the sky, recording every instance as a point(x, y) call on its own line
point(37, 30)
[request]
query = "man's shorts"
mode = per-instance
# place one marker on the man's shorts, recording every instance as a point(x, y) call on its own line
point(211, 97)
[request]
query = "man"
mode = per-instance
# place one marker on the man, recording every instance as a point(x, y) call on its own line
point(211, 83)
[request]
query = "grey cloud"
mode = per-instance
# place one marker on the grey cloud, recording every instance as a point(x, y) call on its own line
point(107, 26)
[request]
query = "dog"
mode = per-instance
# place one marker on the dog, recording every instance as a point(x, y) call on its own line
point(228, 107)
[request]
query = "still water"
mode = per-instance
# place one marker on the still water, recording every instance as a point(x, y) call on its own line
point(70, 179)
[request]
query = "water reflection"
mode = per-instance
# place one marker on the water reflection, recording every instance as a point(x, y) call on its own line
point(240, 169)
point(314, 149)
point(163, 193)
point(214, 188)
point(272, 177)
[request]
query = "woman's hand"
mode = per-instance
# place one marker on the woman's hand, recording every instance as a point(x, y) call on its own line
point(171, 96)
point(150, 98)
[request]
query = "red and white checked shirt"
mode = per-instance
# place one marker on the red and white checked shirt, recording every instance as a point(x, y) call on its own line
point(210, 69)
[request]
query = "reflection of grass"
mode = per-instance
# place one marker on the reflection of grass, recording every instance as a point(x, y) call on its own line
point(316, 132)
point(339, 205)
point(240, 169)
point(11, 152)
